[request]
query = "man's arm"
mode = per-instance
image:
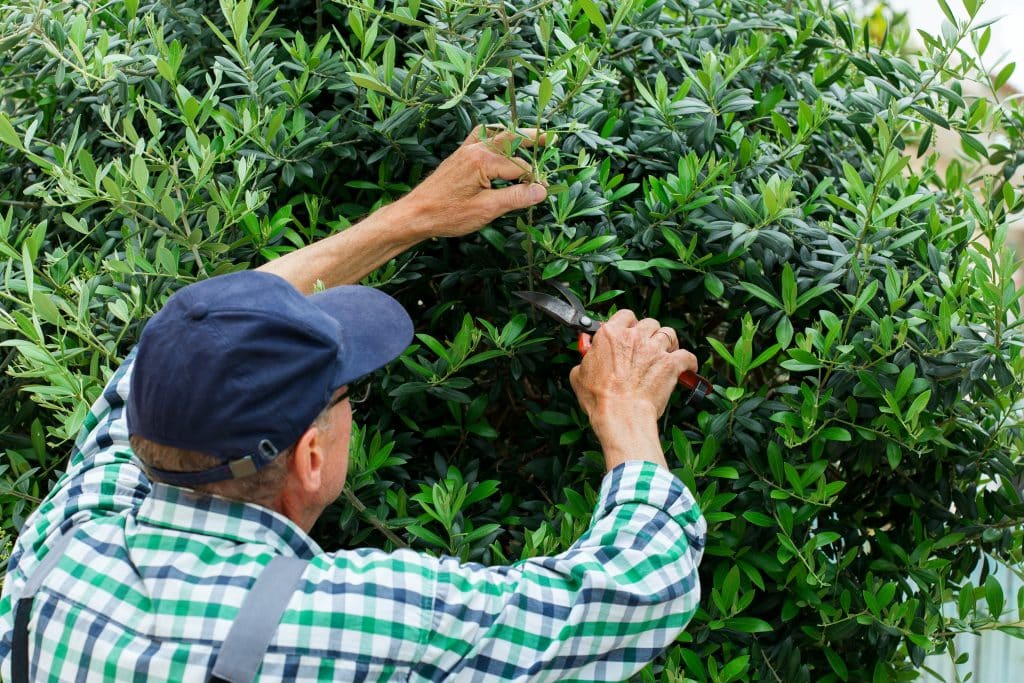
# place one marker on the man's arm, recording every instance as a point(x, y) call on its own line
point(104, 476)
point(598, 612)
point(629, 585)
point(454, 200)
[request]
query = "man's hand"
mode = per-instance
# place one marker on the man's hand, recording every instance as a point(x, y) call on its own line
point(624, 384)
point(457, 198)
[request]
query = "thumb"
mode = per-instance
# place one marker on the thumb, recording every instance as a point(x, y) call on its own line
point(516, 197)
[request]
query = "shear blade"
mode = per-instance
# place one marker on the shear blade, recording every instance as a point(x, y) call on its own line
point(553, 306)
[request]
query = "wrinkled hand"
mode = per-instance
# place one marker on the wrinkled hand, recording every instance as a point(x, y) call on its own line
point(631, 365)
point(457, 198)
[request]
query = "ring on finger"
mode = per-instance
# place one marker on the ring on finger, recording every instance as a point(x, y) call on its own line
point(671, 338)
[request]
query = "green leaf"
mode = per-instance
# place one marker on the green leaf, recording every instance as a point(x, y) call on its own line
point(919, 404)
point(758, 518)
point(906, 378)
point(947, 11)
point(763, 295)
point(724, 473)
point(965, 601)
point(994, 596)
point(45, 308)
point(369, 82)
point(75, 223)
point(973, 144)
point(713, 285)
point(801, 361)
point(554, 269)
point(593, 13)
point(484, 489)
point(7, 133)
point(814, 293)
point(1015, 631)
point(837, 664)
point(426, 535)
point(544, 96)
point(1003, 76)
point(734, 668)
point(632, 266)
point(893, 455)
point(932, 116)
point(140, 173)
point(789, 292)
point(835, 434)
point(721, 350)
point(435, 346)
point(748, 625)
point(924, 145)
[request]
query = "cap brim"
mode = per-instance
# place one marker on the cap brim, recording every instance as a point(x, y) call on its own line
point(375, 328)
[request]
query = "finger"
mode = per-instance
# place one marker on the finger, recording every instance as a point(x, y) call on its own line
point(494, 203)
point(574, 379)
point(498, 166)
point(647, 327)
point(685, 361)
point(527, 137)
point(481, 133)
point(669, 336)
point(623, 318)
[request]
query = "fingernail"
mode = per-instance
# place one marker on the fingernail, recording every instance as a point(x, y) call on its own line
point(537, 192)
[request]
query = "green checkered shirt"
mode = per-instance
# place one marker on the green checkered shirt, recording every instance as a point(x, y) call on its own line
point(154, 576)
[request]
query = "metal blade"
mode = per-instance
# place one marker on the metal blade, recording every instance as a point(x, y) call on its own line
point(553, 306)
point(570, 296)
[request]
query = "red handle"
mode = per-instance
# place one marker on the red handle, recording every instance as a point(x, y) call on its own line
point(691, 380)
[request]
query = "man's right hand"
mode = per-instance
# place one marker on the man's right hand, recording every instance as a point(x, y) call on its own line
point(624, 384)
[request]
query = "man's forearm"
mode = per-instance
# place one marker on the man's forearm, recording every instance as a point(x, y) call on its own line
point(349, 256)
point(456, 199)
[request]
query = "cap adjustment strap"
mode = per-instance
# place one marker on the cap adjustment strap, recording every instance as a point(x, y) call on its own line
point(266, 451)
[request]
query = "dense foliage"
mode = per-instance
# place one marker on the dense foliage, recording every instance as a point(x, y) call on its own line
point(757, 173)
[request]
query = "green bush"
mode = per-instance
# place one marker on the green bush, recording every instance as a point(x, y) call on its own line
point(759, 174)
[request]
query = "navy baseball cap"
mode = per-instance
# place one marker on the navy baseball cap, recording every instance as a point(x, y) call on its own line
point(238, 366)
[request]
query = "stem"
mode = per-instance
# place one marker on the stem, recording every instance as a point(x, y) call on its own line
point(374, 522)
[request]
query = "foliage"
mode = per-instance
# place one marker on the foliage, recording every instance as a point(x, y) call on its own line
point(759, 174)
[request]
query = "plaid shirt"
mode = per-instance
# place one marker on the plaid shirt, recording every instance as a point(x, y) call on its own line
point(150, 585)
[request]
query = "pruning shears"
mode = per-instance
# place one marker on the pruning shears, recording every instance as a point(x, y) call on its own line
point(569, 311)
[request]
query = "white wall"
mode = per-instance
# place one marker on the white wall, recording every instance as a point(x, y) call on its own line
point(1006, 33)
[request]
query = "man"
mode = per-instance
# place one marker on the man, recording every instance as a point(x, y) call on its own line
point(186, 556)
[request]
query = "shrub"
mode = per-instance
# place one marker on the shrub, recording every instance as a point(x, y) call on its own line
point(759, 174)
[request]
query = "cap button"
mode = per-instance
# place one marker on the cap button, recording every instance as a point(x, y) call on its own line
point(198, 311)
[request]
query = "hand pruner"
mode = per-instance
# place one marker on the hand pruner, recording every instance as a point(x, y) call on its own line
point(569, 311)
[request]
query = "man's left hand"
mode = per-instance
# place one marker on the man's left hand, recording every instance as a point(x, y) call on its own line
point(457, 198)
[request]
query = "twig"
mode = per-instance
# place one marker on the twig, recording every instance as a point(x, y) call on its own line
point(376, 523)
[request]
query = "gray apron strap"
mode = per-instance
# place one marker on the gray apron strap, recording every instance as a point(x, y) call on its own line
point(241, 655)
point(23, 610)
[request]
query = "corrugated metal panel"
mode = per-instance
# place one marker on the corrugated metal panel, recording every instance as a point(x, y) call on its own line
point(994, 657)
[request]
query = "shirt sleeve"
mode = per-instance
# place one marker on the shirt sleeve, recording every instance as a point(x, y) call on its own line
point(104, 477)
point(598, 612)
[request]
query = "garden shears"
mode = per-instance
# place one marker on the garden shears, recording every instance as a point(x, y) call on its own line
point(569, 311)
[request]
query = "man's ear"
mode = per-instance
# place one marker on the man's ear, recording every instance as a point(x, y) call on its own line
point(307, 461)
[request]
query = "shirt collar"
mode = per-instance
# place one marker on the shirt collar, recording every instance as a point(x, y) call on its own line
point(185, 510)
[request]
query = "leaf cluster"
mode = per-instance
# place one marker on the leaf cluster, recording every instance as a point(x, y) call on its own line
point(759, 174)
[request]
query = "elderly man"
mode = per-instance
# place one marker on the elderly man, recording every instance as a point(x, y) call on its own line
point(176, 549)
